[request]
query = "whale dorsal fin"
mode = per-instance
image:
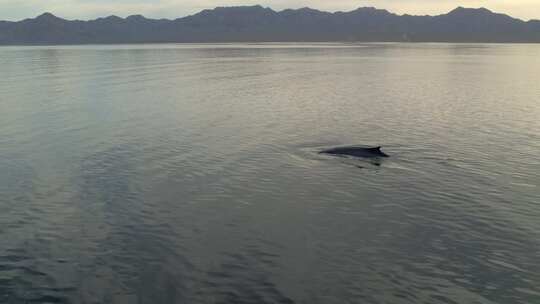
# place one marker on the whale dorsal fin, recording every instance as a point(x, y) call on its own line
point(377, 149)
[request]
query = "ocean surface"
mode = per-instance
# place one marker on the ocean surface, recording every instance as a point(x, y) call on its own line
point(191, 174)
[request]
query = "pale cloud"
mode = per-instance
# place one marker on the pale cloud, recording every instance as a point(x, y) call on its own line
point(87, 9)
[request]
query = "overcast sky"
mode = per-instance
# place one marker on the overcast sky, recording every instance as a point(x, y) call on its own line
point(88, 9)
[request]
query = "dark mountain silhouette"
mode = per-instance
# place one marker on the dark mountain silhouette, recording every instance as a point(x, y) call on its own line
point(259, 24)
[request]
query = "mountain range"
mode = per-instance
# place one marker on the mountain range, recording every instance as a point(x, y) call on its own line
point(260, 24)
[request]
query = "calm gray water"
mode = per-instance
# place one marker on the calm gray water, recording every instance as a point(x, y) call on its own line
point(190, 174)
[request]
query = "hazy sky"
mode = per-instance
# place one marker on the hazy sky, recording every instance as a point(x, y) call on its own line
point(87, 9)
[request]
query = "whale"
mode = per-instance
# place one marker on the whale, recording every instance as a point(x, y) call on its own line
point(356, 151)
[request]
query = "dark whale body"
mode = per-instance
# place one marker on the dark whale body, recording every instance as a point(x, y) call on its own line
point(365, 152)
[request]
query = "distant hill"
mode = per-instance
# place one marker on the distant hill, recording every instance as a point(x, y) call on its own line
point(259, 24)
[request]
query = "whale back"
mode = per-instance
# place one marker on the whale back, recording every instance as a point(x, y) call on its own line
point(356, 151)
point(374, 149)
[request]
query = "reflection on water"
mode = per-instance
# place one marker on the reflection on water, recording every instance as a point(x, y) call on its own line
point(190, 174)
